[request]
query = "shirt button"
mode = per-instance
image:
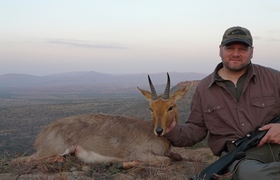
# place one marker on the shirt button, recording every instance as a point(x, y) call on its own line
point(242, 124)
point(263, 104)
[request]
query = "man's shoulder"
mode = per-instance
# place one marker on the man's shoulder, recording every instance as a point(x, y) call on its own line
point(260, 69)
point(207, 81)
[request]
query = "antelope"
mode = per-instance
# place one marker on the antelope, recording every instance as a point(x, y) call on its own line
point(100, 138)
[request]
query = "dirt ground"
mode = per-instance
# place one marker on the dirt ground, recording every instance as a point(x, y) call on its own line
point(194, 160)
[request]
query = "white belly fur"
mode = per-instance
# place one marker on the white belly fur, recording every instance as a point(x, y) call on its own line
point(93, 157)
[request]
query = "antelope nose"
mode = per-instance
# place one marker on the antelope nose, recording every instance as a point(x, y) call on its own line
point(159, 130)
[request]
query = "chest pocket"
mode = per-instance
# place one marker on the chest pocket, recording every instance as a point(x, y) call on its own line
point(213, 115)
point(263, 101)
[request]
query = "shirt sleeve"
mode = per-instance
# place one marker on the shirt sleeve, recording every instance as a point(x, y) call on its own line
point(185, 135)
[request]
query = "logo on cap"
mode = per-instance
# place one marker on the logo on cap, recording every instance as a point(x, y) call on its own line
point(237, 32)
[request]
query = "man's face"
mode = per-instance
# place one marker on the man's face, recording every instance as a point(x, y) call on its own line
point(236, 56)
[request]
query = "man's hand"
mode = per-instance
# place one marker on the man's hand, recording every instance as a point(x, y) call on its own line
point(171, 126)
point(272, 135)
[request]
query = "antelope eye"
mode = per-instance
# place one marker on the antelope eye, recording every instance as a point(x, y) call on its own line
point(170, 108)
point(151, 110)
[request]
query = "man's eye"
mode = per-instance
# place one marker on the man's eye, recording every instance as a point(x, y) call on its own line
point(170, 108)
point(229, 48)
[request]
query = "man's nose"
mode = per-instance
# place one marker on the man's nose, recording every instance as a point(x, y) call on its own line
point(236, 52)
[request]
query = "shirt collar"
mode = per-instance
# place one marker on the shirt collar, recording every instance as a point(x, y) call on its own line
point(251, 73)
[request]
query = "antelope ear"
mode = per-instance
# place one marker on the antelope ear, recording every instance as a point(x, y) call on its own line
point(179, 94)
point(146, 94)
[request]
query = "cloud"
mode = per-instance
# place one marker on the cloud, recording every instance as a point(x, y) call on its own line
point(274, 31)
point(271, 39)
point(85, 44)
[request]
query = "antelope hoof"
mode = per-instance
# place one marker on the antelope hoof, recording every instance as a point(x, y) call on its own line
point(128, 164)
point(174, 156)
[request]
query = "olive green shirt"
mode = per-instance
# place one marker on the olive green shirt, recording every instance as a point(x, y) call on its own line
point(236, 90)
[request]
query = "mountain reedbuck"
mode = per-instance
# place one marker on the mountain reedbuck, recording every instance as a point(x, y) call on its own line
point(99, 138)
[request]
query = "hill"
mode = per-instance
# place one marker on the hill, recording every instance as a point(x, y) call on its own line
point(91, 78)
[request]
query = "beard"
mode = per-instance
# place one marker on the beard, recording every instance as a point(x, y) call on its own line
point(236, 68)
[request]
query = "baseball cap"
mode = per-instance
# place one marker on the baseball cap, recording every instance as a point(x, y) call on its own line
point(237, 34)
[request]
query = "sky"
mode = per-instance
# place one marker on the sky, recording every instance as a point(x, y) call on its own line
point(41, 37)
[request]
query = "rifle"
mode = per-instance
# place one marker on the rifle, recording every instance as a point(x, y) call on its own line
point(220, 166)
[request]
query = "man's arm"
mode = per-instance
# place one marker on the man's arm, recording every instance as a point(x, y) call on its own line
point(185, 135)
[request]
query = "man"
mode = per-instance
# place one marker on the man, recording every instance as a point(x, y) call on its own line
point(235, 99)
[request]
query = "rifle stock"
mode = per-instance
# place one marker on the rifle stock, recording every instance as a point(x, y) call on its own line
point(222, 164)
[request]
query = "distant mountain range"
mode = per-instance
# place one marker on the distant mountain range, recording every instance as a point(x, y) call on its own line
point(92, 78)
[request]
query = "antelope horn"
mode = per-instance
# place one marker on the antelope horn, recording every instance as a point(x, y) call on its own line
point(167, 88)
point(153, 91)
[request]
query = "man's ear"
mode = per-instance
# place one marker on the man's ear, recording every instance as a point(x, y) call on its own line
point(252, 53)
point(220, 52)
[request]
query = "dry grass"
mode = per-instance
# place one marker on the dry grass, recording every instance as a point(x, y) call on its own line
point(194, 160)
